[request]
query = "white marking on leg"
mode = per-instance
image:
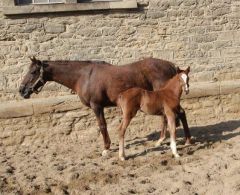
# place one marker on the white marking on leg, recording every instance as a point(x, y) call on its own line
point(174, 148)
point(121, 150)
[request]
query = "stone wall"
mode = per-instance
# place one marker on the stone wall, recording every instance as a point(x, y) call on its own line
point(64, 120)
point(203, 34)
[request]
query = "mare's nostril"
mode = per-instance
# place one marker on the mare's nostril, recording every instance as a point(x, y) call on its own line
point(21, 89)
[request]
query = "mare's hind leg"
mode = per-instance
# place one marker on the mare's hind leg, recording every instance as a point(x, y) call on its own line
point(103, 127)
point(163, 130)
point(183, 118)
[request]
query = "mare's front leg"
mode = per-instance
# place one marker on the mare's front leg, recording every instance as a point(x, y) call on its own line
point(183, 118)
point(98, 110)
point(172, 129)
point(163, 130)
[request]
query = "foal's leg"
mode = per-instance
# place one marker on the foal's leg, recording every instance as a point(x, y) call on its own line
point(103, 127)
point(122, 131)
point(163, 130)
point(163, 121)
point(183, 118)
point(172, 130)
point(126, 120)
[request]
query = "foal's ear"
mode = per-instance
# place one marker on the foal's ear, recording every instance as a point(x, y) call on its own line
point(178, 70)
point(187, 70)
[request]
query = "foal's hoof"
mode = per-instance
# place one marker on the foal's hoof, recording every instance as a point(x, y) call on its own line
point(159, 143)
point(187, 143)
point(105, 153)
point(176, 156)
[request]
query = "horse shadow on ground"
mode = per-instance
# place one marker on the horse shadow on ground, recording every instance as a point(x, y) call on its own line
point(203, 136)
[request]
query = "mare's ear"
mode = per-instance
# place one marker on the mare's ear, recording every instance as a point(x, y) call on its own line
point(35, 61)
point(188, 69)
point(178, 70)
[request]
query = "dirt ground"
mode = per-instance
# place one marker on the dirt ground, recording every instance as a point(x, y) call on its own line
point(211, 165)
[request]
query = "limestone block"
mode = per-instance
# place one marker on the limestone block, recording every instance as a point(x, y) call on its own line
point(164, 54)
point(230, 52)
point(70, 1)
point(189, 2)
point(155, 14)
point(13, 141)
point(205, 38)
point(222, 44)
point(11, 110)
point(8, 3)
point(221, 11)
point(229, 87)
point(16, 21)
point(54, 28)
point(198, 12)
point(229, 35)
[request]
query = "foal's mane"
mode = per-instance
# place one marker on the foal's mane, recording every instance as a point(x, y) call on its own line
point(170, 81)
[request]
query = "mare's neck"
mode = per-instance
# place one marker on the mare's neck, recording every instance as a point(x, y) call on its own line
point(61, 73)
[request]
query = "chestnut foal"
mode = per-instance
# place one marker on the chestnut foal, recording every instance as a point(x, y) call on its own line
point(165, 102)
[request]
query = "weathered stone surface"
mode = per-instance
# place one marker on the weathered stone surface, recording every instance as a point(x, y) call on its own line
point(70, 125)
point(54, 28)
point(71, 102)
point(10, 9)
point(12, 110)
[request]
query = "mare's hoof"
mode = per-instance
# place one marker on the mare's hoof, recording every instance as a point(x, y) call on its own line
point(121, 158)
point(105, 153)
point(187, 143)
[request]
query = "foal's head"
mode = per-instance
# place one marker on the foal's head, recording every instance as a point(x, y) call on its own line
point(33, 80)
point(184, 79)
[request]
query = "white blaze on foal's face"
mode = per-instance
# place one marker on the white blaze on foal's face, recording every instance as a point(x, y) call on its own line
point(184, 78)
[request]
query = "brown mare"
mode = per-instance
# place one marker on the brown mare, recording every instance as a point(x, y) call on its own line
point(98, 84)
point(165, 102)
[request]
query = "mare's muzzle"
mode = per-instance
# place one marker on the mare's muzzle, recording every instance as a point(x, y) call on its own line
point(36, 87)
point(25, 92)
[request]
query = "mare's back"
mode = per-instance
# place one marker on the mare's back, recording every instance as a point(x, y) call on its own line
point(144, 74)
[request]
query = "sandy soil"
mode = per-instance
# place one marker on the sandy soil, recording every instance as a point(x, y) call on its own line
point(65, 165)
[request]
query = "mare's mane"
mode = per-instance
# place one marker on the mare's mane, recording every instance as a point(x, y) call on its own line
point(75, 63)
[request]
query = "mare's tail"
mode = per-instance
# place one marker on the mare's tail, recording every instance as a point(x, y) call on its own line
point(177, 121)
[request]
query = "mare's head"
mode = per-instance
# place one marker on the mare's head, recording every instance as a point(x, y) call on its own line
point(184, 78)
point(33, 80)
